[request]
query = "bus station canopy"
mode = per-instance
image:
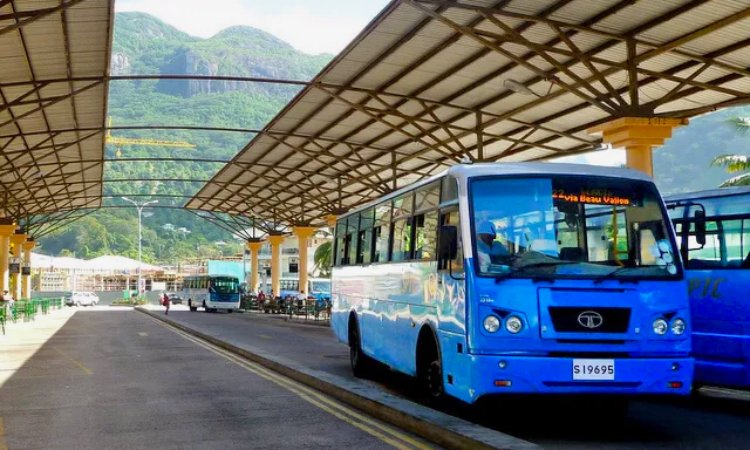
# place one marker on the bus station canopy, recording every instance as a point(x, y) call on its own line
point(54, 59)
point(431, 82)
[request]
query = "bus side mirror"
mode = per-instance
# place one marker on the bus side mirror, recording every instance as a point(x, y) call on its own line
point(700, 226)
point(448, 243)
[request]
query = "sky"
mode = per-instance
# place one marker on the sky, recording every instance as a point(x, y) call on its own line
point(312, 26)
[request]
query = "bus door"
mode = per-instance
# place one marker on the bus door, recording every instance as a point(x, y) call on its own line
point(718, 273)
point(451, 288)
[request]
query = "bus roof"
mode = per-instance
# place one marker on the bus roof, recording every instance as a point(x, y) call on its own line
point(465, 171)
point(711, 193)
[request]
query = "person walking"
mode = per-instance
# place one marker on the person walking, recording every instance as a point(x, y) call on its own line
point(165, 301)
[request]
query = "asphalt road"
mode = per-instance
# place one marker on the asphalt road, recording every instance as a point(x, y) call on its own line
point(111, 379)
point(685, 423)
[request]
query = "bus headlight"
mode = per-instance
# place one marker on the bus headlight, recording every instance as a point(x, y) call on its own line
point(660, 327)
point(491, 324)
point(678, 326)
point(513, 324)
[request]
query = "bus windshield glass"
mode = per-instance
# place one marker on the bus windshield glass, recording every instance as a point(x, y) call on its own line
point(321, 286)
point(570, 227)
point(225, 285)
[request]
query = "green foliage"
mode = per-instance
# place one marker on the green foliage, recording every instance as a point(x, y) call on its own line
point(323, 258)
point(145, 45)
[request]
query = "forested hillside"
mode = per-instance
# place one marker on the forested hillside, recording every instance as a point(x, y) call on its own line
point(143, 45)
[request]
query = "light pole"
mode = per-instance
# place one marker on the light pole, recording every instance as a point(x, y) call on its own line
point(140, 211)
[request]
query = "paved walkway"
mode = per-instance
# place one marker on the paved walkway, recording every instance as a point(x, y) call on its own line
point(310, 353)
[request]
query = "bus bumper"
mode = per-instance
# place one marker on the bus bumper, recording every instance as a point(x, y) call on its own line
point(555, 375)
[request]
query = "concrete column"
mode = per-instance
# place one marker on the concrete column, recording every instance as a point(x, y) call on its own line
point(7, 228)
point(15, 279)
point(638, 136)
point(303, 233)
point(26, 279)
point(254, 247)
point(275, 240)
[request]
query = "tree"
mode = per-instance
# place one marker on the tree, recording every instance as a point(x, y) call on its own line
point(323, 256)
point(736, 163)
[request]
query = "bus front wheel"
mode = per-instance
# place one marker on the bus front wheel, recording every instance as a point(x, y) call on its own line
point(357, 359)
point(430, 367)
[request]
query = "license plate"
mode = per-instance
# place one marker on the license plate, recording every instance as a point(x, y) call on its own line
point(593, 369)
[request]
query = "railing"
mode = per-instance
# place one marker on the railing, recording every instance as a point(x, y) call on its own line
point(26, 310)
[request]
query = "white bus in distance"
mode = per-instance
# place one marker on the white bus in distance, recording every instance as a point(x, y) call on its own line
point(212, 292)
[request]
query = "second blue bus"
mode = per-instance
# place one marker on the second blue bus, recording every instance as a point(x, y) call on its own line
point(713, 228)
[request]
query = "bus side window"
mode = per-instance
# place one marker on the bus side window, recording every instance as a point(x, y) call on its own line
point(381, 232)
point(425, 235)
point(450, 216)
point(401, 240)
point(351, 239)
point(341, 249)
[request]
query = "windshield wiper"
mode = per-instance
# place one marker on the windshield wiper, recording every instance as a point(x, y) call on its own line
point(612, 275)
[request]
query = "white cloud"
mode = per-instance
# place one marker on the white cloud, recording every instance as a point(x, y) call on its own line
point(308, 29)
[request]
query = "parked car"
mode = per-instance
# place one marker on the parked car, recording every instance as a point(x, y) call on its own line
point(79, 298)
point(175, 299)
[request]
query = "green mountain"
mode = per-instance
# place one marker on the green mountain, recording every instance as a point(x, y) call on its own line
point(143, 45)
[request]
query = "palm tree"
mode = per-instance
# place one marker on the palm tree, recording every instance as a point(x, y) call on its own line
point(323, 257)
point(736, 163)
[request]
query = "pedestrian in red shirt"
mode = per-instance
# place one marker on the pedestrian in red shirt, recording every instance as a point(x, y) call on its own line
point(165, 301)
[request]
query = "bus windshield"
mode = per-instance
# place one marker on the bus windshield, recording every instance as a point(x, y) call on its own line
point(225, 285)
point(570, 227)
point(321, 286)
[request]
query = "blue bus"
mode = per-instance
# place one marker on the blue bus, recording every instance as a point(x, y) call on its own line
point(212, 292)
point(494, 279)
point(713, 228)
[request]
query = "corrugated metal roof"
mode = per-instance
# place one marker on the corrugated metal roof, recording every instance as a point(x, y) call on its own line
point(426, 83)
point(54, 60)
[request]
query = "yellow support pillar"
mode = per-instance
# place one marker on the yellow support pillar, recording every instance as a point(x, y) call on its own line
point(303, 233)
point(638, 136)
point(331, 221)
point(275, 240)
point(254, 247)
point(17, 241)
point(6, 231)
point(26, 278)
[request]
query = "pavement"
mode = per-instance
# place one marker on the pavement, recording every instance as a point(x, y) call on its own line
point(306, 351)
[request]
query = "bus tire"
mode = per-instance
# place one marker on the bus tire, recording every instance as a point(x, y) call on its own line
point(430, 366)
point(360, 363)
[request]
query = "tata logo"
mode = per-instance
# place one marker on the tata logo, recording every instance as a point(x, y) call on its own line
point(590, 319)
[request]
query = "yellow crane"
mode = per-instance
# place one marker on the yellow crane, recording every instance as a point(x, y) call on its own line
point(118, 142)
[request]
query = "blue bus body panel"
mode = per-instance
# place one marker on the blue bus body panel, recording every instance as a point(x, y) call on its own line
point(233, 297)
point(720, 301)
point(402, 298)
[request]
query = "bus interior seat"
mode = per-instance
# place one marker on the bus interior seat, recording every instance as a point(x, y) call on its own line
point(571, 253)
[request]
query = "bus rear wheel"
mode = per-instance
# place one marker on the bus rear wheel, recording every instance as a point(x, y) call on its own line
point(360, 363)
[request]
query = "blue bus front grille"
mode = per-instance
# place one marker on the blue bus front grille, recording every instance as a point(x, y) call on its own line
point(578, 319)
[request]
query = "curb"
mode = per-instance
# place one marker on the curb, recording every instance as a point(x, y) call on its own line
point(439, 428)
